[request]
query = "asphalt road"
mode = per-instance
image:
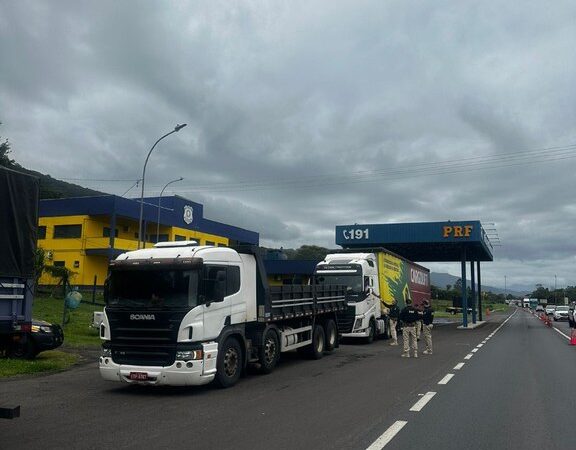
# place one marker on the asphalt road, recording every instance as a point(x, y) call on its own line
point(501, 398)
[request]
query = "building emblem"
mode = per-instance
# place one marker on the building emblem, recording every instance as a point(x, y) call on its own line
point(188, 214)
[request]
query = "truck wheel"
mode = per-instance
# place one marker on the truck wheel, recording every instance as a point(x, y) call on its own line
point(19, 350)
point(371, 332)
point(269, 351)
point(316, 349)
point(229, 365)
point(331, 334)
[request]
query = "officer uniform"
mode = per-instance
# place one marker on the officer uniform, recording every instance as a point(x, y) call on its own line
point(409, 316)
point(394, 315)
point(427, 319)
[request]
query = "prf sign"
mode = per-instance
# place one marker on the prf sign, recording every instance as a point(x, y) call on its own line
point(456, 231)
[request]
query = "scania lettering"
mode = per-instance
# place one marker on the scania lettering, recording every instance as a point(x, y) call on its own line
point(182, 314)
point(375, 280)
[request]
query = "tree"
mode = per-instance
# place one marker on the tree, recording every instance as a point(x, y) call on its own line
point(63, 274)
point(311, 252)
point(4, 152)
point(39, 263)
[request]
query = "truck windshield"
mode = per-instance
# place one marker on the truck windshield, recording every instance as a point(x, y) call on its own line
point(158, 288)
point(352, 281)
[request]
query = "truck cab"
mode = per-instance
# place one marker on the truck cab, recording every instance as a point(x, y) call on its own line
point(359, 272)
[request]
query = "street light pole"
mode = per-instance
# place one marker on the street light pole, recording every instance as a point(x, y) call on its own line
point(175, 130)
point(555, 302)
point(159, 199)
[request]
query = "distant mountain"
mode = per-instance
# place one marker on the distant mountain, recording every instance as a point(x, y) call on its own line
point(53, 188)
point(441, 280)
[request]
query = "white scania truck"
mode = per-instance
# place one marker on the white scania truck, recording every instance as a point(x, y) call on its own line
point(375, 279)
point(182, 314)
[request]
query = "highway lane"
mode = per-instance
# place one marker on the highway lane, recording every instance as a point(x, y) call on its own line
point(514, 393)
point(343, 401)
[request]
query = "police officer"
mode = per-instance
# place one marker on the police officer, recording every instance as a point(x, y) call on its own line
point(427, 319)
point(394, 314)
point(409, 316)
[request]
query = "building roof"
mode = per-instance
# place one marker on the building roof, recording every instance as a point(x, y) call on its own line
point(175, 211)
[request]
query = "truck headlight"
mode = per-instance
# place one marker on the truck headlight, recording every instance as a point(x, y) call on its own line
point(358, 323)
point(187, 355)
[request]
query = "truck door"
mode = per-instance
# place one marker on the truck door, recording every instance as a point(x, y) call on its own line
point(216, 305)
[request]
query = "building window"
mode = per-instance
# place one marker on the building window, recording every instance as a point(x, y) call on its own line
point(178, 237)
point(161, 238)
point(106, 232)
point(67, 231)
point(59, 264)
point(210, 243)
point(76, 264)
point(42, 232)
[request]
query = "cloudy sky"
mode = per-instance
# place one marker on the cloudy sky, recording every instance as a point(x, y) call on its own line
point(307, 114)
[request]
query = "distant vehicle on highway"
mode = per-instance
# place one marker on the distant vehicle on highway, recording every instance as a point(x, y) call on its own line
point(561, 313)
point(550, 309)
point(540, 308)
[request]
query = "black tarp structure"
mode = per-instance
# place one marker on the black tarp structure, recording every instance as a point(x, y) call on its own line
point(19, 194)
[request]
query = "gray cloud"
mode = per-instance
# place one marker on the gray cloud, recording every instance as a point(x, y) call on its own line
point(309, 100)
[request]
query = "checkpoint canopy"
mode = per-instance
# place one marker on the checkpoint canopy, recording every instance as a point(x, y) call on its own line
point(449, 241)
point(423, 242)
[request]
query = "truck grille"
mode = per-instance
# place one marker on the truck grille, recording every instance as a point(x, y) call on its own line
point(145, 342)
point(345, 319)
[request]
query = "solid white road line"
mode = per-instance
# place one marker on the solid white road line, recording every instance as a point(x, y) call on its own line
point(469, 355)
point(458, 366)
point(422, 402)
point(446, 379)
point(388, 435)
point(567, 337)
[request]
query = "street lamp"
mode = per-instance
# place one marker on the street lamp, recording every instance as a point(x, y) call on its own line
point(555, 290)
point(159, 199)
point(175, 130)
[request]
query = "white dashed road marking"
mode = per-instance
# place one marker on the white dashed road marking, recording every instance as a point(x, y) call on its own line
point(469, 355)
point(446, 379)
point(458, 366)
point(388, 435)
point(422, 402)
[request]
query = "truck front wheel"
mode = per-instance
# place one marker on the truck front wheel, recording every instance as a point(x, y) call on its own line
point(229, 365)
point(371, 332)
point(269, 352)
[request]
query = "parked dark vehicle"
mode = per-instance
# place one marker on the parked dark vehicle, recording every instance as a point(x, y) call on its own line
point(20, 337)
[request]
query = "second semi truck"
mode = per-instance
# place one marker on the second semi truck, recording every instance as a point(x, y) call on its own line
point(375, 280)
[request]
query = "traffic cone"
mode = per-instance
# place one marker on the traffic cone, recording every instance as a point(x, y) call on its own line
point(573, 337)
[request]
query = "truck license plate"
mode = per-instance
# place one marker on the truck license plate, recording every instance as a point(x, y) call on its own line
point(139, 376)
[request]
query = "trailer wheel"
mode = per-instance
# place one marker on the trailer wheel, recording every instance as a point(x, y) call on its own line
point(20, 350)
point(331, 333)
point(371, 332)
point(316, 349)
point(229, 365)
point(269, 351)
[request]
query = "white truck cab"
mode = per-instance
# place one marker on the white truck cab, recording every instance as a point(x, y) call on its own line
point(359, 272)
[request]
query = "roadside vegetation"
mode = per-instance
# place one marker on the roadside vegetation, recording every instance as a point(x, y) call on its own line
point(49, 361)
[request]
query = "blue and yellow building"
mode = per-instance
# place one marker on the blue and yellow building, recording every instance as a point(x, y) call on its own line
point(85, 233)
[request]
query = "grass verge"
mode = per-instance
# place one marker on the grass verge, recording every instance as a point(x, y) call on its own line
point(49, 361)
